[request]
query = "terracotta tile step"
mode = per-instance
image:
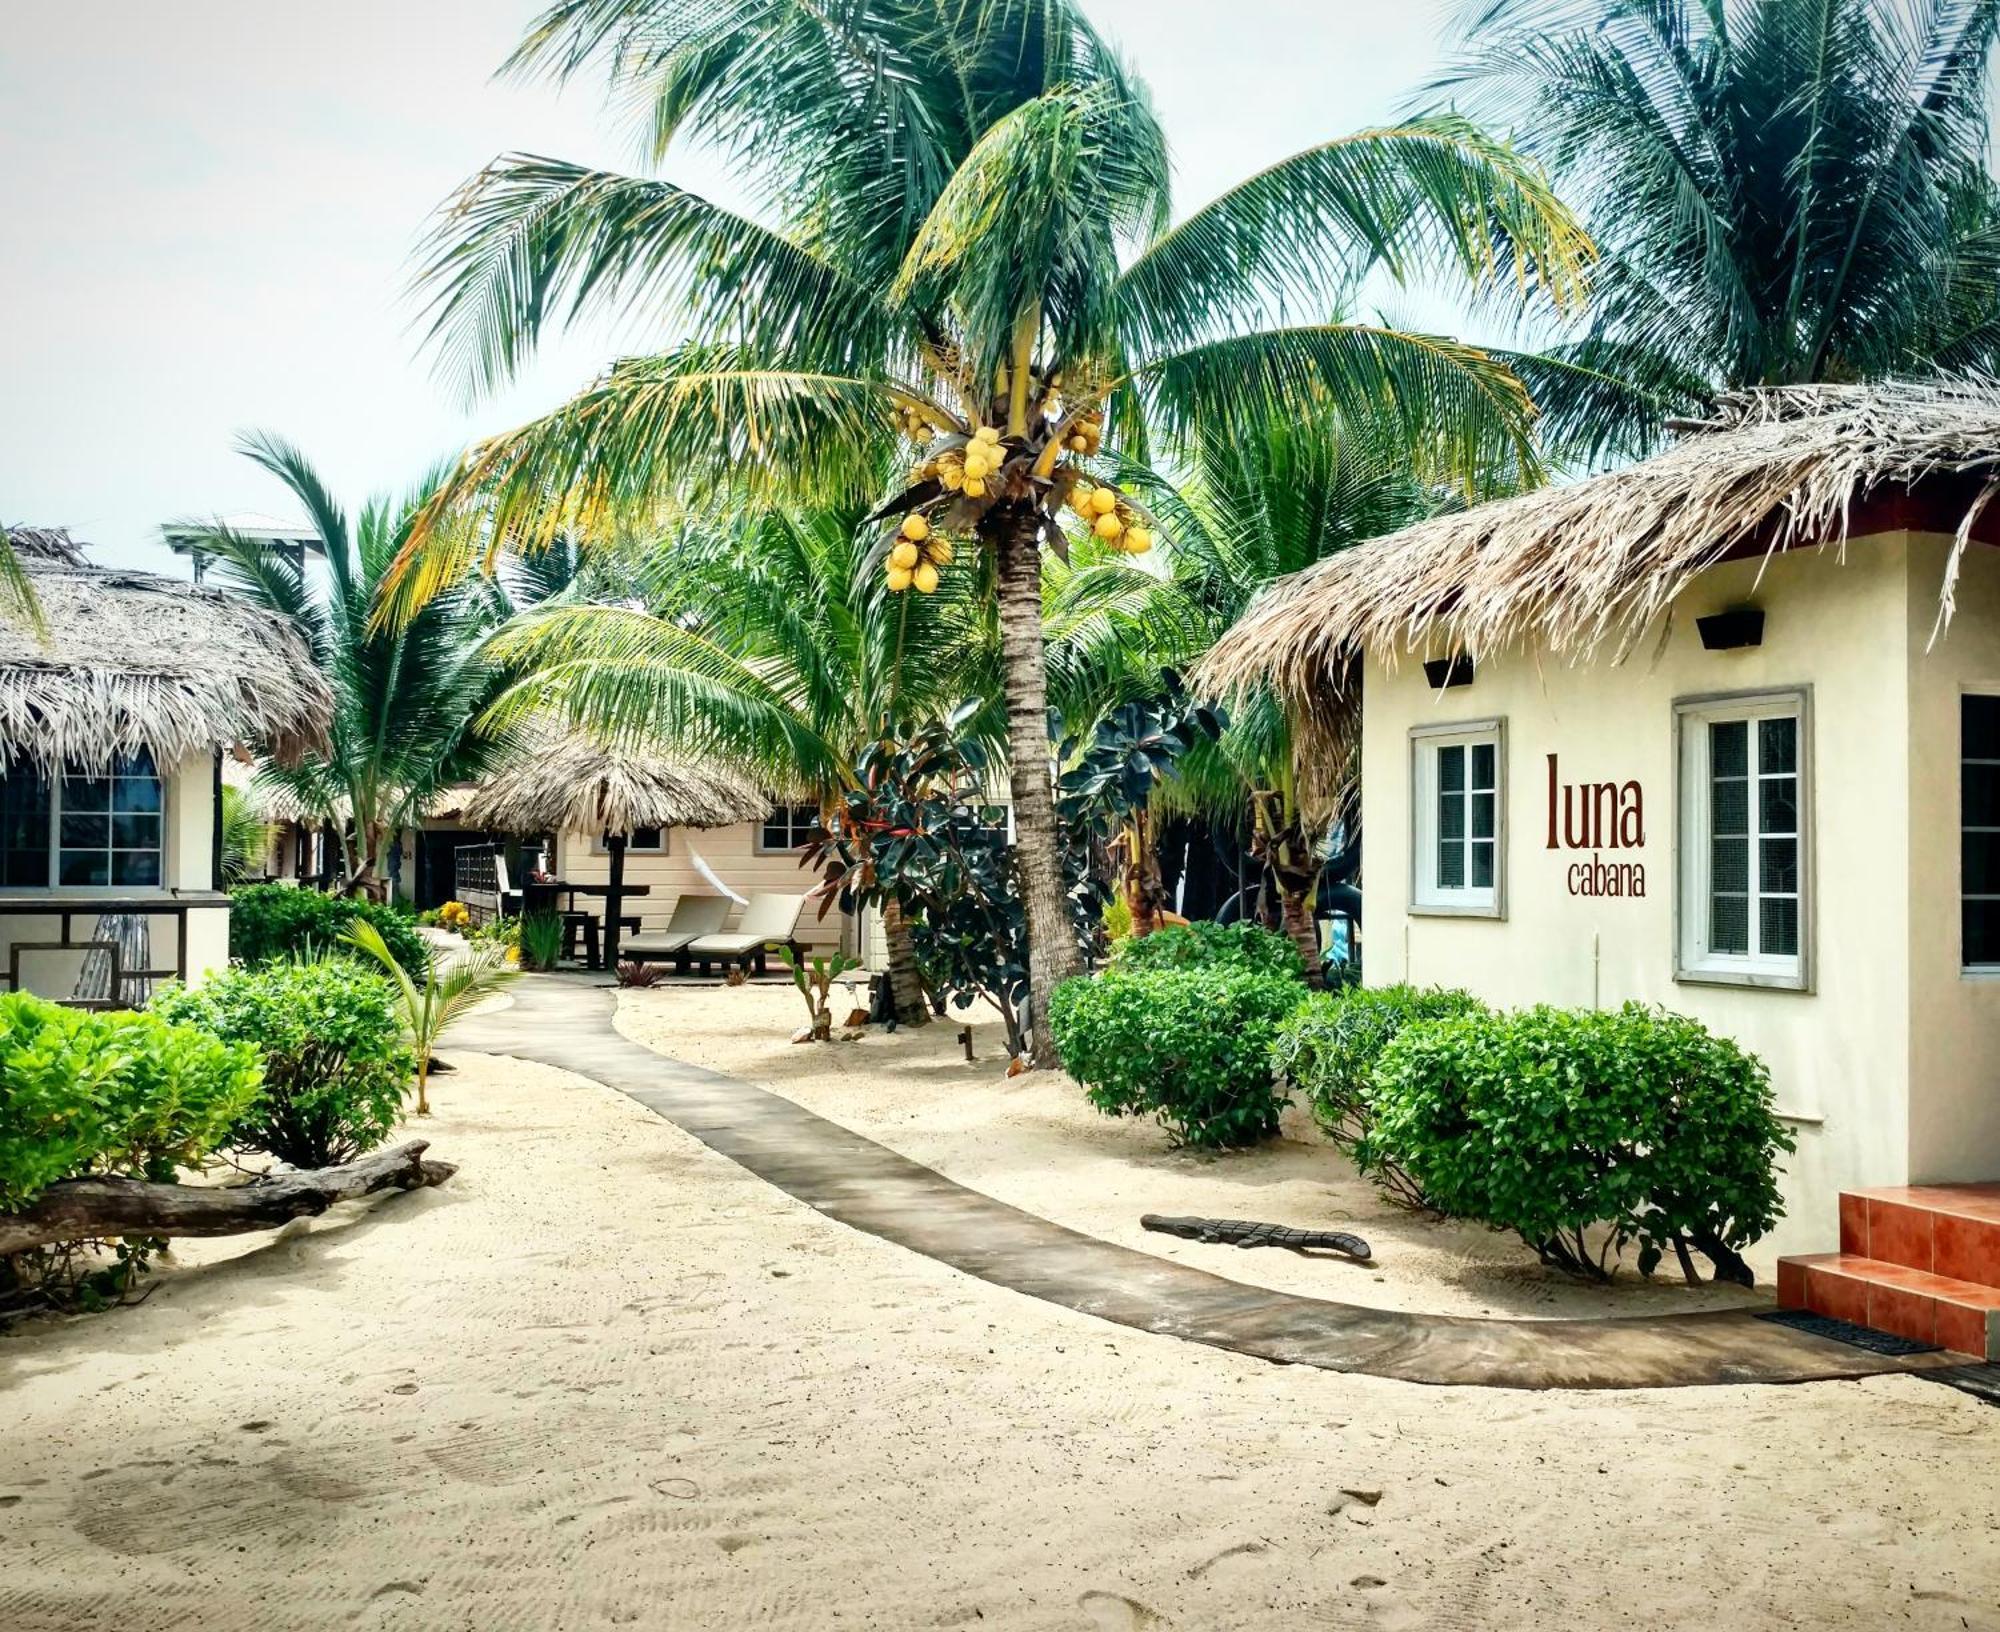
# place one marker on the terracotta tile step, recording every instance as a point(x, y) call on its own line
point(1943, 1229)
point(1912, 1303)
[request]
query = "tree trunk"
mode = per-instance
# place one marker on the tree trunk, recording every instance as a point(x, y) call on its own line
point(100, 1209)
point(1145, 892)
point(1287, 850)
point(906, 986)
point(1014, 530)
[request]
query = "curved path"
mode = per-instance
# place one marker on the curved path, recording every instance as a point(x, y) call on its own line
point(568, 1024)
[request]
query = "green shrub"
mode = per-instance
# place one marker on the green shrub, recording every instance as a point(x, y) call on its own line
point(1551, 1121)
point(269, 921)
point(1191, 1046)
point(1327, 1049)
point(85, 1092)
point(336, 1065)
point(1200, 944)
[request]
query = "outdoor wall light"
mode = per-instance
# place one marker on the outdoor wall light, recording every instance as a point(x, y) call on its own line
point(1727, 631)
point(1445, 672)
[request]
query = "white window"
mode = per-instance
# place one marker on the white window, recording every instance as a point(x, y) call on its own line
point(85, 829)
point(641, 841)
point(1457, 780)
point(1979, 832)
point(1744, 778)
point(787, 827)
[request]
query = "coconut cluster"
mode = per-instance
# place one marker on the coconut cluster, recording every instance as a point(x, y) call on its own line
point(1111, 518)
point(916, 556)
point(1086, 435)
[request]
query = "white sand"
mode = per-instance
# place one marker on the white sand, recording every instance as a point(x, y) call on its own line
point(1037, 1142)
point(606, 1378)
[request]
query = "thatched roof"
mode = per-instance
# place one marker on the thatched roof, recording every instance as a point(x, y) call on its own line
point(557, 781)
point(131, 659)
point(1593, 564)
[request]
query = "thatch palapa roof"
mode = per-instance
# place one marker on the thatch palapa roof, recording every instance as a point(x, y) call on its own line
point(1576, 569)
point(132, 659)
point(558, 781)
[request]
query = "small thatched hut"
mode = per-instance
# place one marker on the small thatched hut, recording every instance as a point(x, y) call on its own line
point(113, 720)
point(560, 783)
point(1719, 731)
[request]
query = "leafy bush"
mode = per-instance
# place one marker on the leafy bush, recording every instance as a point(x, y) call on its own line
point(540, 938)
point(1195, 945)
point(86, 1093)
point(1327, 1050)
point(268, 921)
point(1192, 1046)
point(336, 1065)
point(1551, 1121)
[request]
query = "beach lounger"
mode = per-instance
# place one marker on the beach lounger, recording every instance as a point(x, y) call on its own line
point(769, 920)
point(693, 917)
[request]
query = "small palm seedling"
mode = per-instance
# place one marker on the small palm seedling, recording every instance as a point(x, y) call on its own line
point(541, 940)
point(451, 987)
point(814, 978)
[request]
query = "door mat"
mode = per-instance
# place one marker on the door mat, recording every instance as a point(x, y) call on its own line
point(1845, 1331)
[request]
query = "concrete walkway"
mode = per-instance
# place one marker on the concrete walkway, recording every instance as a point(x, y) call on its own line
point(566, 1022)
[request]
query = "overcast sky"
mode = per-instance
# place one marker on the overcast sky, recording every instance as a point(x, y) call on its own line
point(210, 208)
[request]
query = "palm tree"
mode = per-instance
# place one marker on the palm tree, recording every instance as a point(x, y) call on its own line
point(770, 643)
point(970, 232)
point(404, 697)
point(1785, 191)
point(452, 986)
point(1254, 507)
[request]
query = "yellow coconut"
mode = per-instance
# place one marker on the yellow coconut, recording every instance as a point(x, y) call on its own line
point(1108, 525)
point(988, 434)
point(975, 487)
point(899, 579)
point(952, 477)
point(1139, 540)
point(1102, 501)
point(904, 555)
point(916, 528)
point(976, 464)
point(1080, 444)
point(926, 578)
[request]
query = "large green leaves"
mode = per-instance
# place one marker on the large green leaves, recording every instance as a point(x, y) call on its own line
point(530, 242)
point(1435, 193)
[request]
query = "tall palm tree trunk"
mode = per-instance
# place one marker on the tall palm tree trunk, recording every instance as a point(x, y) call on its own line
point(906, 986)
point(1013, 530)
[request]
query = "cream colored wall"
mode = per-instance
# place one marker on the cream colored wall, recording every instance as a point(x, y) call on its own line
point(1839, 1054)
point(730, 851)
point(188, 870)
point(1954, 1127)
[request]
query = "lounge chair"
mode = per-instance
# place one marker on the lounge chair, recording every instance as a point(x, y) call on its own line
point(769, 920)
point(693, 917)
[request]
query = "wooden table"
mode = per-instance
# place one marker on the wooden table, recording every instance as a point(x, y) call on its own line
point(563, 887)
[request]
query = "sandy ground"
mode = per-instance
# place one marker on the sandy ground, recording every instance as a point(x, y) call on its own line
point(1037, 1142)
point(606, 1378)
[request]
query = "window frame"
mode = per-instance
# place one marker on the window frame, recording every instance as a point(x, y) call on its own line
point(760, 848)
point(1694, 965)
point(1966, 969)
point(599, 848)
point(1428, 899)
point(55, 847)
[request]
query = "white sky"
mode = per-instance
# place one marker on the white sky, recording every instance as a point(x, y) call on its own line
point(209, 209)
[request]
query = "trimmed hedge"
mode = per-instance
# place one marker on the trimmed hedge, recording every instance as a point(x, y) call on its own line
point(1201, 944)
point(1192, 1046)
point(271, 921)
point(336, 1065)
point(1327, 1050)
point(1638, 1125)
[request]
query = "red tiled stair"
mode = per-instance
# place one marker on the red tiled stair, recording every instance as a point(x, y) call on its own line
point(1922, 1261)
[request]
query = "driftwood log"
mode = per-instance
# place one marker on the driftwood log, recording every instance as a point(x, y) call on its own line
point(98, 1209)
point(1243, 1232)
